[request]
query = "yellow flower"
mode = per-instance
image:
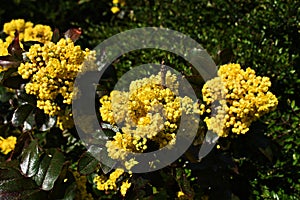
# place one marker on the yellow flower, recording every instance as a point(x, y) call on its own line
point(148, 112)
point(16, 25)
point(3, 52)
point(27, 32)
point(3, 48)
point(40, 33)
point(238, 98)
point(108, 184)
point(8, 144)
point(180, 194)
point(103, 183)
point(115, 1)
point(124, 187)
point(51, 70)
point(115, 9)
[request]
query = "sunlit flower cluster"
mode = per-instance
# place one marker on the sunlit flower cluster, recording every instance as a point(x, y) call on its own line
point(148, 113)
point(27, 31)
point(3, 48)
point(235, 99)
point(8, 144)
point(3, 51)
point(52, 69)
point(116, 5)
point(102, 183)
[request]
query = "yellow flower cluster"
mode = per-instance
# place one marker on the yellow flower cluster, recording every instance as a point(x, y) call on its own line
point(238, 97)
point(182, 196)
point(110, 184)
point(8, 144)
point(81, 192)
point(3, 48)
point(27, 31)
point(115, 7)
point(52, 70)
point(3, 52)
point(148, 112)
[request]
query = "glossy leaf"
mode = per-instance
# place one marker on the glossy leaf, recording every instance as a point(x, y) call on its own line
point(43, 122)
point(15, 186)
point(55, 36)
point(14, 82)
point(26, 98)
point(49, 169)
point(6, 74)
point(73, 34)
point(14, 48)
point(21, 114)
point(7, 61)
point(30, 159)
point(87, 164)
point(28, 44)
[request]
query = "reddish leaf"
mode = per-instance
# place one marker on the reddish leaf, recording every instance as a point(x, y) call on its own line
point(73, 33)
point(14, 48)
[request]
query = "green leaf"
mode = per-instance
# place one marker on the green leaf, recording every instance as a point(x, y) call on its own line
point(49, 169)
point(7, 74)
point(5, 95)
point(70, 192)
point(14, 82)
point(43, 122)
point(267, 152)
point(87, 164)
point(26, 98)
point(30, 159)
point(9, 61)
point(15, 186)
point(21, 114)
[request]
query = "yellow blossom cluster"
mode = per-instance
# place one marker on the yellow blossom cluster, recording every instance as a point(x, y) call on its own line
point(103, 183)
point(52, 69)
point(8, 144)
point(3, 51)
point(3, 48)
point(182, 196)
point(148, 113)
point(116, 4)
point(27, 31)
point(81, 192)
point(235, 99)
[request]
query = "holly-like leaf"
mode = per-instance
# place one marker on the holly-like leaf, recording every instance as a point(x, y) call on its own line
point(30, 159)
point(225, 56)
point(26, 98)
point(14, 186)
point(106, 163)
point(87, 164)
point(14, 48)
point(43, 122)
point(7, 73)
point(70, 192)
point(267, 152)
point(21, 114)
point(14, 82)
point(49, 169)
point(73, 33)
point(9, 61)
point(55, 36)
point(28, 44)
